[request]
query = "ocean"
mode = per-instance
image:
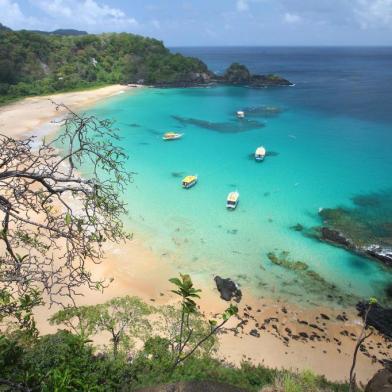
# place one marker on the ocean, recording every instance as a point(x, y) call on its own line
point(328, 139)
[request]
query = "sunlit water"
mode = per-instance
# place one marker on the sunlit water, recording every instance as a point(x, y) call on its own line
point(319, 158)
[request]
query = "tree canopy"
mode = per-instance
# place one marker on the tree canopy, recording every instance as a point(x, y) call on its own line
point(32, 63)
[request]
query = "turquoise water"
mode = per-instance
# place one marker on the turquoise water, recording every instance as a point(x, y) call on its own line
point(318, 160)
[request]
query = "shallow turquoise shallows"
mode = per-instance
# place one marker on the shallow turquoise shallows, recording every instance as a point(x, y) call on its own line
point(316, 161)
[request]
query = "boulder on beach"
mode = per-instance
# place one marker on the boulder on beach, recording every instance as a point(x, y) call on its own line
point(228, 289)
point(381, 381)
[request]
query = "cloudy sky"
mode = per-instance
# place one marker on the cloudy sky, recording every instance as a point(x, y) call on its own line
point(214, 22)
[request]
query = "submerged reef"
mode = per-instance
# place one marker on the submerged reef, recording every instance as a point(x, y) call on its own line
point(309, 280)
point(224, 127)
point(262, 111)
point(365, 228)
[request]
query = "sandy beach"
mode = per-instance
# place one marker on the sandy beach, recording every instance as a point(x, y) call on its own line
point(273, 333)
point(29, 114)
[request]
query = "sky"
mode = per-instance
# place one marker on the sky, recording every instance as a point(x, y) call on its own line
point(214, 22)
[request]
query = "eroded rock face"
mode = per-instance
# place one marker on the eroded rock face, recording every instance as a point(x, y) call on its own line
point(228, 289)
point(378, 317)
point(193, 386)
point(380, 253)
point(381, 381)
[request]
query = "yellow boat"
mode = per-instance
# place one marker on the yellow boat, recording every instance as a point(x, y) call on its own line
point(172, 136)
point(189, 181)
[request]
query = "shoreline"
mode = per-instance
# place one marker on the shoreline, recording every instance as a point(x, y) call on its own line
point(138, 271)
point(34, 114)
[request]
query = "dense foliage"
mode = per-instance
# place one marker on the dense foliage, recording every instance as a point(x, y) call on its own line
point(32, 63)
point(65, 362)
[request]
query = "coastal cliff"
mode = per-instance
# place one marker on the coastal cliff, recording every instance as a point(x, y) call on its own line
point(38, 63)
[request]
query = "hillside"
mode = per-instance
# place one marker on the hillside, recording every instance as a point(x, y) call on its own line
point(37, 63)
point(33, 63)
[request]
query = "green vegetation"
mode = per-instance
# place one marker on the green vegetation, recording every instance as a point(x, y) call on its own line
point(35, 64)
point(177, 344)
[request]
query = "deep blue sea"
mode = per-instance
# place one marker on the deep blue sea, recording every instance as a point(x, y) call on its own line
point(330, 141)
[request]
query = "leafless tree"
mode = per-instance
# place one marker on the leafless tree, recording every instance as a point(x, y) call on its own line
point(59, 202)
point(360, 340)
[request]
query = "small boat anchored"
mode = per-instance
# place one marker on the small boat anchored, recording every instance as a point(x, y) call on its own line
point(172, 136)
point(260, 153)
point(232, 200)
point(189, 181)
point(240, 114)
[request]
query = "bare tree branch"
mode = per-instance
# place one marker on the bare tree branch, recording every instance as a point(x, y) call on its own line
point(59, 202)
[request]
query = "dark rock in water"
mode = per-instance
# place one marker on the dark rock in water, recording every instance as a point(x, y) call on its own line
point(380, 253)
point(381, 381)
point(334, 236)
point(239, 75)
point(378, 317)
point(324, 316)
point(297, 227)
point(228, 289)
point(235, 75)
point(193, 386)
point(365, 229)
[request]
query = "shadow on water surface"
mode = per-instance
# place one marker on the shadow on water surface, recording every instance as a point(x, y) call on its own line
point(223, 127)
point(262, 111)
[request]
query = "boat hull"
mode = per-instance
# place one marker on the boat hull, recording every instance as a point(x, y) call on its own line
point(172, 138)
point(189, 185)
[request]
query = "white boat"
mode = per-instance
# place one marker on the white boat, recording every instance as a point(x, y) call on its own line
point(189, 181)
point(232, 200)
point(260, 153)
point(240, 114)
point(172, 136)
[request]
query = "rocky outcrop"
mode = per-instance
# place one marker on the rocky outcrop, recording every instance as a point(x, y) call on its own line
point(191, 79)
point(239, 75)
point(380, 253)
point(236, 75)
point(335, 237)
point(228, 289)
point(193, 386)
point(378, 317)
point(381, 381)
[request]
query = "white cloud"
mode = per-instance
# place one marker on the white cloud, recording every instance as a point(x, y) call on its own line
point(242, 5)
point(374, 13)
point(291, 18)
point(86, 14)
point(12, 16)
